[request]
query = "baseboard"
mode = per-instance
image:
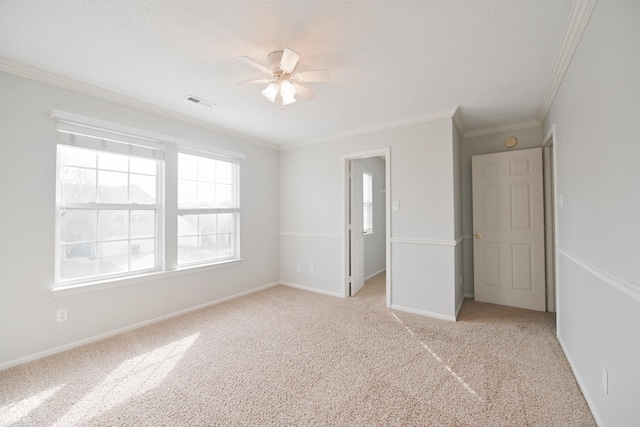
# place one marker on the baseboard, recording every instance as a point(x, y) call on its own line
point(85, 341)
point(310, 289)
point(583, 389)
point(469, 296)
point(423, 313)
point(374, 274)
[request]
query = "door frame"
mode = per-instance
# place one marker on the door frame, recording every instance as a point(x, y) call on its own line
point(551, 216)
point(356, 237)
point(344, 217)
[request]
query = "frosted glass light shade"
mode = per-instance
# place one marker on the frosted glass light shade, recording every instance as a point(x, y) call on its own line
point(288, 92)
point(271, 91)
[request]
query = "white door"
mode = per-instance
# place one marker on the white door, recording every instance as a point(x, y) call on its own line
point(356, 229)
point(508, 227)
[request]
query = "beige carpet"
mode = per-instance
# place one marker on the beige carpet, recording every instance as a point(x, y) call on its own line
point(289, 357)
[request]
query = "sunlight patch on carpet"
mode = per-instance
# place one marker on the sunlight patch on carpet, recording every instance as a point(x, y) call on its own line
point(133, 377)
point(13, 413)
point(439, 359)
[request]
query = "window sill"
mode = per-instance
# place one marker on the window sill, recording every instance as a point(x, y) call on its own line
point(81, 288)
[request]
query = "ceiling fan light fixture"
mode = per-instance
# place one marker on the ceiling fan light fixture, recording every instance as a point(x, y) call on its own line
point(285, 81)
point(288, 92)
point(271, 91)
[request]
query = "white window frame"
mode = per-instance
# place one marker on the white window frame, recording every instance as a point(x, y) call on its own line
point(204, 210)
point(367, 206)
point(102, 141)
point(124, 139)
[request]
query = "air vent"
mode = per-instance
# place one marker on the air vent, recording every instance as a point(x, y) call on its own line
point(199, 101)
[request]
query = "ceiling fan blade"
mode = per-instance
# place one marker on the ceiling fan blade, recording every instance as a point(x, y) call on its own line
point(312, 76)
point(304, 92)
point(289, 60)
point(255, 64)
point(255, 81)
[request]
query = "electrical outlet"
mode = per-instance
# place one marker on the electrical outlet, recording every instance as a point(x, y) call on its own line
point(61, 315)
point(311, 269)
point(605, 381)
point(298, 268)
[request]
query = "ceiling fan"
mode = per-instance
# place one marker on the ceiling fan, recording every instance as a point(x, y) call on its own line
point(285, 80)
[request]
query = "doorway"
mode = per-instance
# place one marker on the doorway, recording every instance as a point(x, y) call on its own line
point(508, 226)
point(353, 266)
point(549, 212)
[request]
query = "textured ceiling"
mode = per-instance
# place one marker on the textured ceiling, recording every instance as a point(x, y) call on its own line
point(389, 60)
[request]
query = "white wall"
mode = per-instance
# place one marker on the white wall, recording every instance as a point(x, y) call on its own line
point(597, 148)
point(27, 190)
point(527, 138)
point(374, 244)
point(422, 231)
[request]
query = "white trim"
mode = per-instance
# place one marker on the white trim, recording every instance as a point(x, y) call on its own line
point(458, 120)
point(374, 274)
point(467, 236)
point(364, 130)
point(424, 241)
point(469, 296)
point(112, 127)
point(629, 288)
point(549, 137)
point(83, 121)
point(580, 14)
point(583, 388)
point(61, 81)
point(423, 313)
point(309, 235)
point(311, 289)
point(459, 239)
point(365, 154)
point(100, 285)
point(527, 124)
point(65, 347)
point(550, 227)
point(344, 213)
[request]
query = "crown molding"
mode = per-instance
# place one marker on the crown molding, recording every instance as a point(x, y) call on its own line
point(580, 14)
point(61, 81)
point(406, 121)
point(527, 124)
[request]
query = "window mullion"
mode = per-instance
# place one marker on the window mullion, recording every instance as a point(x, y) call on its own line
point(170, 212)
point(109, 206)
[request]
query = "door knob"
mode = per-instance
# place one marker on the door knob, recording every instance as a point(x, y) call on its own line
point(478, 235)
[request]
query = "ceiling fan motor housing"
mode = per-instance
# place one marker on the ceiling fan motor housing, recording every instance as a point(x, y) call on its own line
point(273, 62)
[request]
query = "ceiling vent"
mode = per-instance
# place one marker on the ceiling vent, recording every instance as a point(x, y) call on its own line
point(199, 101)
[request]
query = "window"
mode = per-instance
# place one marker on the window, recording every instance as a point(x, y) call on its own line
point(367, 202)
point(108, 208)
point(208, 209)
point(112, 198)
